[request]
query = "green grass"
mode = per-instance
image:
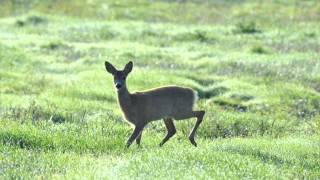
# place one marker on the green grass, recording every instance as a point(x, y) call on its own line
point(254, 64)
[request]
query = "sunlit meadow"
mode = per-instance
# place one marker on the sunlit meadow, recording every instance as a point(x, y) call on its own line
point(254, 64)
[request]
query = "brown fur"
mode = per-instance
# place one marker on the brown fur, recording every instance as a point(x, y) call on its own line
point(169, 102)
point(164, 102)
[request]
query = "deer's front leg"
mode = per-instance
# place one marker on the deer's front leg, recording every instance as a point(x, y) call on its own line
point(134, 135)
point(138, 140)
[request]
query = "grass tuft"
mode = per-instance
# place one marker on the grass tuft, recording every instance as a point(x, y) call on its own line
point(258, 49)
point(33, 20)
point(247, 28)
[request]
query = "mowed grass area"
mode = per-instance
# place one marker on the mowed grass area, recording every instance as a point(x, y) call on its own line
point(254, 64)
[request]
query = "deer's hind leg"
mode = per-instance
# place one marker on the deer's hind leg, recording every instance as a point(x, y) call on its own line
point(199, 115)
point(171, 130)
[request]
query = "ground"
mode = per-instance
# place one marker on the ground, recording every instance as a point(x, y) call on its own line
point(254, 64)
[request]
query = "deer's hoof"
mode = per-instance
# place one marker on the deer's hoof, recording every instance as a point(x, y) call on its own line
point(127, 145)
point(193, 142)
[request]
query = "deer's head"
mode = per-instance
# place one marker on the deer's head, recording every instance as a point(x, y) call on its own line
point(119, 76)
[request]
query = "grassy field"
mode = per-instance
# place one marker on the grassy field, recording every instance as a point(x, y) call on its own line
point(254, 64)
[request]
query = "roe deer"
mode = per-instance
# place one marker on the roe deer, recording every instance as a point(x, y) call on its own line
point(167, 103)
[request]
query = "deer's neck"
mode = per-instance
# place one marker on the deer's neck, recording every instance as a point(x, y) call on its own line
point(124, 98)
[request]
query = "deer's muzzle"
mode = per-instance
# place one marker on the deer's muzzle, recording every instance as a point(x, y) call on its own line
point(118, 84)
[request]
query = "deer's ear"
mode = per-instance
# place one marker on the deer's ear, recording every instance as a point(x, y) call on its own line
point(128, 67)
point(110, 68)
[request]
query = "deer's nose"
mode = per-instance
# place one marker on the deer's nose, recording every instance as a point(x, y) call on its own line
point(118, 84)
